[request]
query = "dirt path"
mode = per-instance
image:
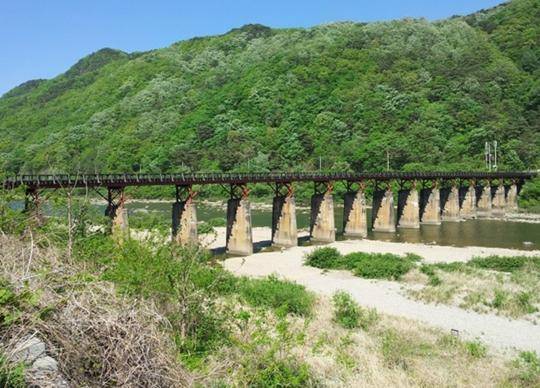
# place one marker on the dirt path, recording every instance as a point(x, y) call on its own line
point(499, 332)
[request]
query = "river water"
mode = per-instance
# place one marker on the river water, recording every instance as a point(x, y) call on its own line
point(480, 232)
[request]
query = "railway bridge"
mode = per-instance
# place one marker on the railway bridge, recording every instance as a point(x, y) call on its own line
point(422, 198)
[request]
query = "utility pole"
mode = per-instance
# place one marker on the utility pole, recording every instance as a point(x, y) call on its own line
point(491, 159)
point(320, 163)
point(487, 153)
point(387, 160)
point(495, 152)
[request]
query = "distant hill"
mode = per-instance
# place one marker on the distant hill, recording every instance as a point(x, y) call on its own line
point(256, 98)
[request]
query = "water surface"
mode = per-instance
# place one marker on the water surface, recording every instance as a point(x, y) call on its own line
point(479, 232)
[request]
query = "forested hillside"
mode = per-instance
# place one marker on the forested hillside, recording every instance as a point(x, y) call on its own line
point(429, 93)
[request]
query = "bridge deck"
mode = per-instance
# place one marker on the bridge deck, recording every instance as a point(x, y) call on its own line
point(123, 180)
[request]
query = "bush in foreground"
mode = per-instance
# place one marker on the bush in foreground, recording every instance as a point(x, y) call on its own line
point(366, 265)
point(288, 297)
point(349, 314)
point(325, 257)
point(505, 263)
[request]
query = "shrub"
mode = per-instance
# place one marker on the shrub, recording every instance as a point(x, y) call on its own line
point(346, 310)
point(476, 349)
point(523, 301)
point(428, 270)
point(367, 265)
point(349, 314)
point(282, 295)
point(528, 367)
point(378, 266)
point(500, 298)
point(282, 373)
point(505, 263)
point(325, 257)
point(267, 359)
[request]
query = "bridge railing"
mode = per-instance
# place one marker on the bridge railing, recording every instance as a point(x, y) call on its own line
point(104, 180)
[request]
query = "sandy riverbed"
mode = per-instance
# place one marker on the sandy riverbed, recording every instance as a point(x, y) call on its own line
point(387, 297)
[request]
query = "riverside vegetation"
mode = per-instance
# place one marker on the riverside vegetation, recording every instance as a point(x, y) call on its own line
point(145, 312)
point(508, 286)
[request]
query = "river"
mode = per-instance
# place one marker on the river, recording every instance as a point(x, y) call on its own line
point(479, 232)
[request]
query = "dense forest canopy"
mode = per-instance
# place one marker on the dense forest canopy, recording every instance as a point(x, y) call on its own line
point(428, 93)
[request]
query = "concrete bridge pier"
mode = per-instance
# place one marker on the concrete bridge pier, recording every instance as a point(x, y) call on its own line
point(430, 205)
point(483, 201)
point(322, 226)
point(284, 230)
point(498, 200)
point(117, 212)
point(184, 217)
point(354, 212)
point(467, 201)
point(408, 207)
point(511, 192)
point(450, 203)
point(239, 234)
point(383, 218)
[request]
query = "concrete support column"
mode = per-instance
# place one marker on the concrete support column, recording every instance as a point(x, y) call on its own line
point(408, 208)
point(467, 201)
point(430, 205)
point(117, 212)
point(498, 200)
point(450, 204)
point(239, 235)
point(354, 213)
point(322, 226)
point(284, 230)
point(511, 197)
point(383, 219)
point(184, 222)
point(483, 201)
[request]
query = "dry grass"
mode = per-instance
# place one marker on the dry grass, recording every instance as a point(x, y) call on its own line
point(393, 352)
point(515, 295)
point(101, 339)
point(98, 338)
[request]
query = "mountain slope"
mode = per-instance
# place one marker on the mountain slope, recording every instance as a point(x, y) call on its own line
point(262, 99)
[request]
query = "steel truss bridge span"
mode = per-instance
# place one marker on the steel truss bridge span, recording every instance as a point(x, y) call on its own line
point(187, 179)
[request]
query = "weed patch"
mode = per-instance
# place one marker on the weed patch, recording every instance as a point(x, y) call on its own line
point(367, 265)
point(324, 258)
point(11, 375)
point(285, 296)
point(527, 369)
point(349, 314)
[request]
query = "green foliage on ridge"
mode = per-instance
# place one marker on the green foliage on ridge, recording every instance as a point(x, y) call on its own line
point(259, 99)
